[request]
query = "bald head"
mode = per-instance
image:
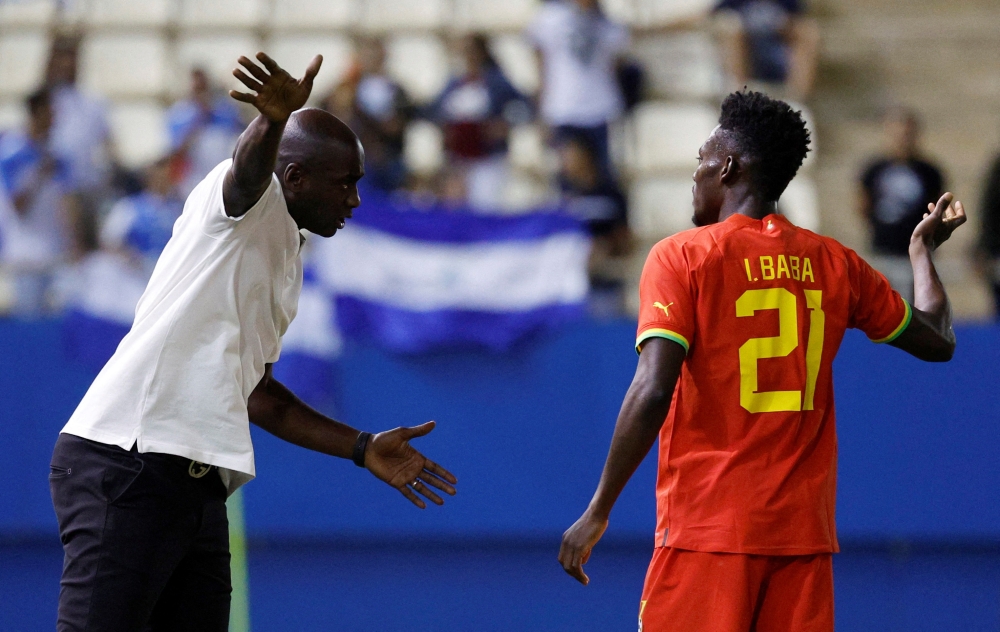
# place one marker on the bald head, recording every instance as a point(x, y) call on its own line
point(313, 135)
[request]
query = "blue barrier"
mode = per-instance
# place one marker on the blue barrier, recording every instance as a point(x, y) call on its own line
point(526, 433)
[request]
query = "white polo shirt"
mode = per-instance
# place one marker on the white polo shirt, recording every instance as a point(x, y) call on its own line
point(221, 297)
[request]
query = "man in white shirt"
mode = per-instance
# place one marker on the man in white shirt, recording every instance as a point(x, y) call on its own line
point(140, 473)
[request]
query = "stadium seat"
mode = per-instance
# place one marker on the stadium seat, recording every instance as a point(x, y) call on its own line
point(127, 64)
point(490, 15)
point(27, 13)
point(22, 61)
point(524, 193)
point(294, 52)
point(660, 207)
point(423, 148)
point(800, 203)
point(419, 63)
point(129, 12)
point(222, 13)
point(681, 64)
point(528, 152)
point(313, 14)
point(517, 58)
point(667, 135)
point(403, 15)
point(658, 12)
point(12, 114)
point(139, 129)
point(217, 54)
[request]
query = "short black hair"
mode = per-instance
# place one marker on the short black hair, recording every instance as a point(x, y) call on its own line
point(770, 132)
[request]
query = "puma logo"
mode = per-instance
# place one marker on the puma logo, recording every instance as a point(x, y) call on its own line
point(665, 308)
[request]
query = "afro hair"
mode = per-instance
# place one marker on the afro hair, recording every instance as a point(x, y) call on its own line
point(772, 133)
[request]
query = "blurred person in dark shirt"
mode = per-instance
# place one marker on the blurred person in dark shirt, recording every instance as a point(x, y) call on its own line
point(476, 110)
point(988, 251)
point(36, 216)
point(592, 197)
point(203, 129)
point(80, 134)
point(379, 110)
point(770, 41)
point(895, 191)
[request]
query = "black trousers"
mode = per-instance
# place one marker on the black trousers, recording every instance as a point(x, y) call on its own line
point(146, 540)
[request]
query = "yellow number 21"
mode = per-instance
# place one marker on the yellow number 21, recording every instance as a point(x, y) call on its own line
point(780, 346)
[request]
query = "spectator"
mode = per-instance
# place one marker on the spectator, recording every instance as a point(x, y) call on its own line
point(378, 109)
point(770, 41)
point(989, 236)
point(35, 221)
point(592, 197)
point(203, 131)
point(895, 191)
point(579, 51)
point(476, 110)
point(80, 133)
point(140, 225)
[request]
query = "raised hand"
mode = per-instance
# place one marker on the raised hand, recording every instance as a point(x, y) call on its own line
point(392, 459)
point(578, 542)
point(277, 93)
point(939, 222)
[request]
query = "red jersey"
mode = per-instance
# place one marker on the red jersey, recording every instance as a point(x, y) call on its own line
point(748, 452)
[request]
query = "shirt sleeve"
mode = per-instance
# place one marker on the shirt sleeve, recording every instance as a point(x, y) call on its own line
point(666, 302)
point(879, 311)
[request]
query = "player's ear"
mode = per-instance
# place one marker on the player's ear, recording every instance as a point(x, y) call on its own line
point(729, 168)
point(292, 178)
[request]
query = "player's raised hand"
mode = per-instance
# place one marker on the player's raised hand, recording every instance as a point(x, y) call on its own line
point(577, 543)
point(939, 222)
point(276, 94)
point(391, 458)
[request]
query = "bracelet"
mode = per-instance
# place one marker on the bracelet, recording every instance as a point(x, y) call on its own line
point(358, 456)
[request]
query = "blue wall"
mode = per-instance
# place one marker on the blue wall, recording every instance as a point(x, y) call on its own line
point(526, 433)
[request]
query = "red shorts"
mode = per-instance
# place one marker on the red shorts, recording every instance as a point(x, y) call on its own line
point(690, 591)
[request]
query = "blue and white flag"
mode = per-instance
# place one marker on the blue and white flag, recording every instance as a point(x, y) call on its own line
point(415, 280)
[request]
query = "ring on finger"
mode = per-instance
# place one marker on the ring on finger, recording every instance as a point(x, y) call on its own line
point(415, 483)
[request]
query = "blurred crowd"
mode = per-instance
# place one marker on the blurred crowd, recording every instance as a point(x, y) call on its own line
point(66, 202)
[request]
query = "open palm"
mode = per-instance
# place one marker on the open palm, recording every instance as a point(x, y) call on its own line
point(392, 459)
point(276, 93)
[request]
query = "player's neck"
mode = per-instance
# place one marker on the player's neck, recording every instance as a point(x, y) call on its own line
point(746, 203)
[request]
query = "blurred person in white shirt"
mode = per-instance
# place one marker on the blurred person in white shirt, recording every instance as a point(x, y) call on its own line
point(35, 221)
point(80, 135)
point(580, 51)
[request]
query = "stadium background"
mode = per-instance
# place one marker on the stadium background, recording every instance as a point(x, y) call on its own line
point(526, 430)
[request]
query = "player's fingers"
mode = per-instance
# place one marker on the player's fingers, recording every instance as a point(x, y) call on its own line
point(243, 96)
point(418, 431)
point(247, 81)
point(943, 202)
point(253, 69)
point(576, 568)
point(271, 65)
point(433, 467)
point(423, 489)
point(313, 69)
point(413, 498)
point(434, 481)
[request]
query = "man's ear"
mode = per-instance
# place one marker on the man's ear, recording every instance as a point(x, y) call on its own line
point(292, 178)
point(729, 169)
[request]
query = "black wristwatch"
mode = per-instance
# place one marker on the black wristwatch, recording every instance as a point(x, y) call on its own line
point(358, 456)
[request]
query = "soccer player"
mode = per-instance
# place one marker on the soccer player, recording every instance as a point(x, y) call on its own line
point(141, 472)
point(740, 320)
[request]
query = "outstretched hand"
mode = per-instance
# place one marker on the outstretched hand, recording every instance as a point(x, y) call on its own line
point(278, 94)
point(578, 542)
point(939, 222)
point(392, 459)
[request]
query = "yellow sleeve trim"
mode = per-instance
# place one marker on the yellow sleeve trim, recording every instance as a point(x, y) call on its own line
point(661, 333)
point(907, 317)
